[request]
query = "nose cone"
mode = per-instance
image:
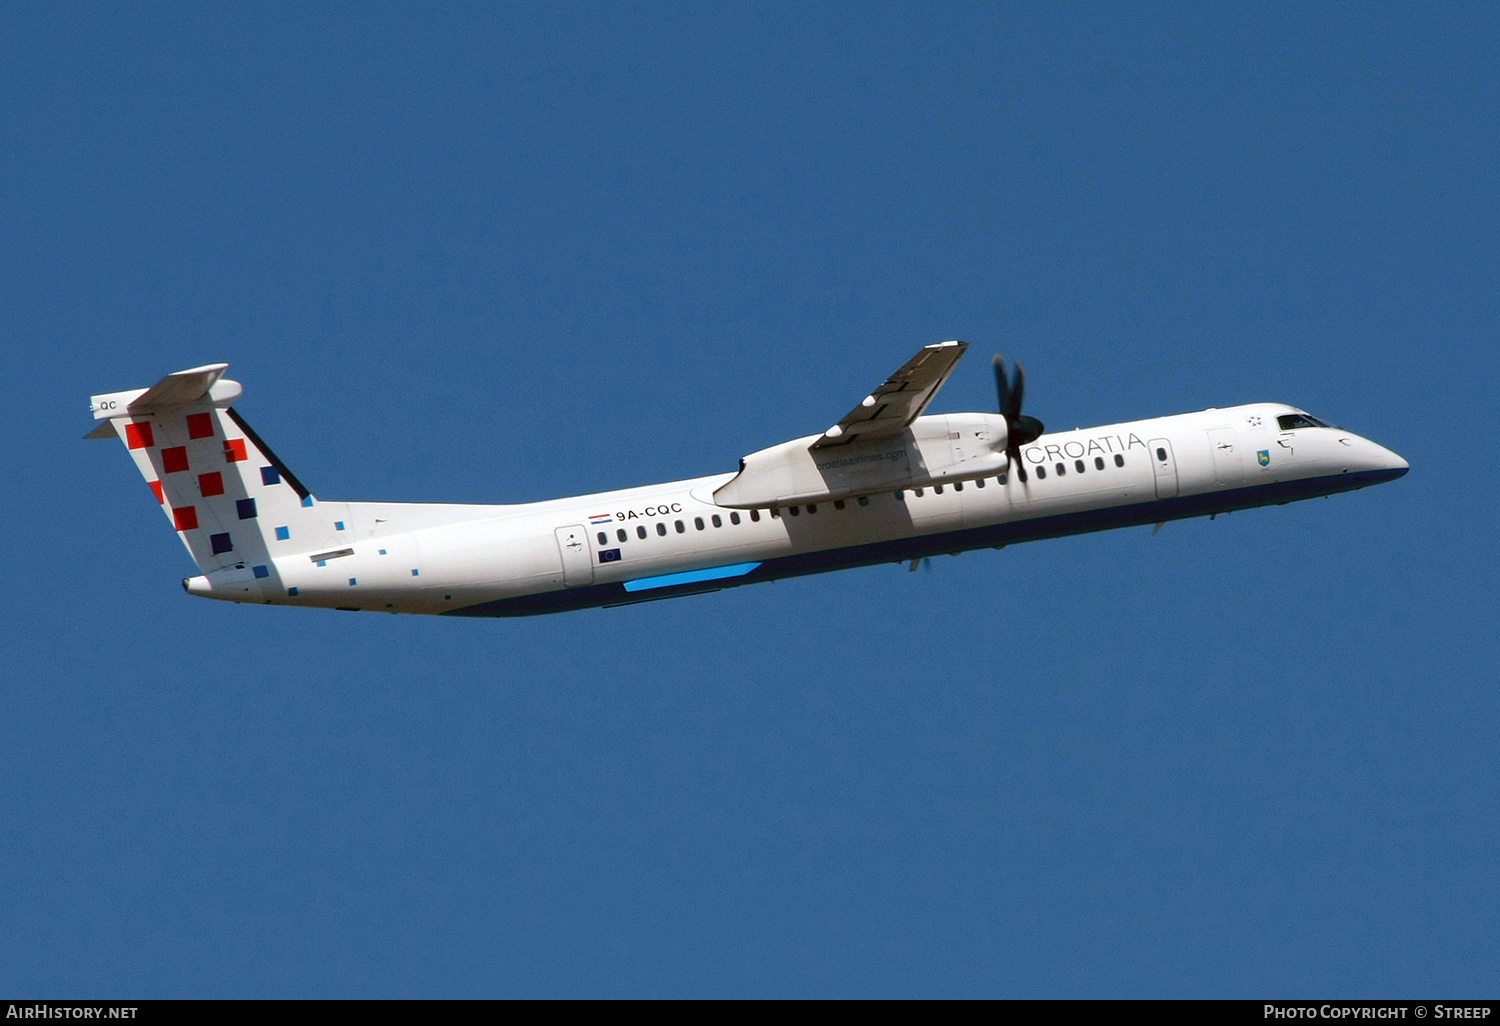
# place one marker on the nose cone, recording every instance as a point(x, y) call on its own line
point(1375, 463)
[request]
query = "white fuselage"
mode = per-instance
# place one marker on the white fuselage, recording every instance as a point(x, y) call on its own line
point(669, 539)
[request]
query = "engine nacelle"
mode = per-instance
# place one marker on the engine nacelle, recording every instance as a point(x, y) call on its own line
point(932, 450)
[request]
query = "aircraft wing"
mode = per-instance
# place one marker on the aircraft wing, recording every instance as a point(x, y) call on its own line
point(894, 405)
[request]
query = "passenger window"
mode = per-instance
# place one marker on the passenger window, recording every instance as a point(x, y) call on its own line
point(1021, 474)
point(1078, 466)
point(979, 483)
point(1001, 479)
point(937, 489)
point(661, 529)
point(864, 500)
point(1161, 454)
point(958, 486)
point(1041, 473)
point(620, 534)
point(681, 527)
point(603, 538)
point(812, 507)
point(698, 523)
point(1061, 470)
point(917, 492)
point(734, 518)
point(1098, 462)
point(755, 515)
point(640, 531)
point(1119, 460)
point(838, 503)
point(794, 510)
point(900, 496)
point(717, 521)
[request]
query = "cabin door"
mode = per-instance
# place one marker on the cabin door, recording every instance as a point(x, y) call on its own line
point(1166, 468)
point(1227, 470)
point(577, 560)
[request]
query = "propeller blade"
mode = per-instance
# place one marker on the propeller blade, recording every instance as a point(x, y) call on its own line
point(1020, 430)
point(1002, 387)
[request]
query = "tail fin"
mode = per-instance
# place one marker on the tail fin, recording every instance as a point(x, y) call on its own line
point(225, 493)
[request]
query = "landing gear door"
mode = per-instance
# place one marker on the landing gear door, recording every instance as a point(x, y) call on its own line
point(1166, 468)
point(577, 560)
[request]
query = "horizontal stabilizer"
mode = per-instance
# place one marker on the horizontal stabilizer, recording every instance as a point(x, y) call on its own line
point(181, 387)
point(196, 385)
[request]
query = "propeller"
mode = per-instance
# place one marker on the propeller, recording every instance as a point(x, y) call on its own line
point(1019, 430)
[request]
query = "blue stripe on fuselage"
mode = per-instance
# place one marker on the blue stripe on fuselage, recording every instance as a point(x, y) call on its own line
point(690, 577)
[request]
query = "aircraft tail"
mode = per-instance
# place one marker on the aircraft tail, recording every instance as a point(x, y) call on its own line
point(229, 498)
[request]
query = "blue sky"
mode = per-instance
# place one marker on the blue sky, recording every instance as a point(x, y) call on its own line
point(499, 253)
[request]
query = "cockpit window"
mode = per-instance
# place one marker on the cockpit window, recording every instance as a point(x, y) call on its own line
point(1293, 421)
